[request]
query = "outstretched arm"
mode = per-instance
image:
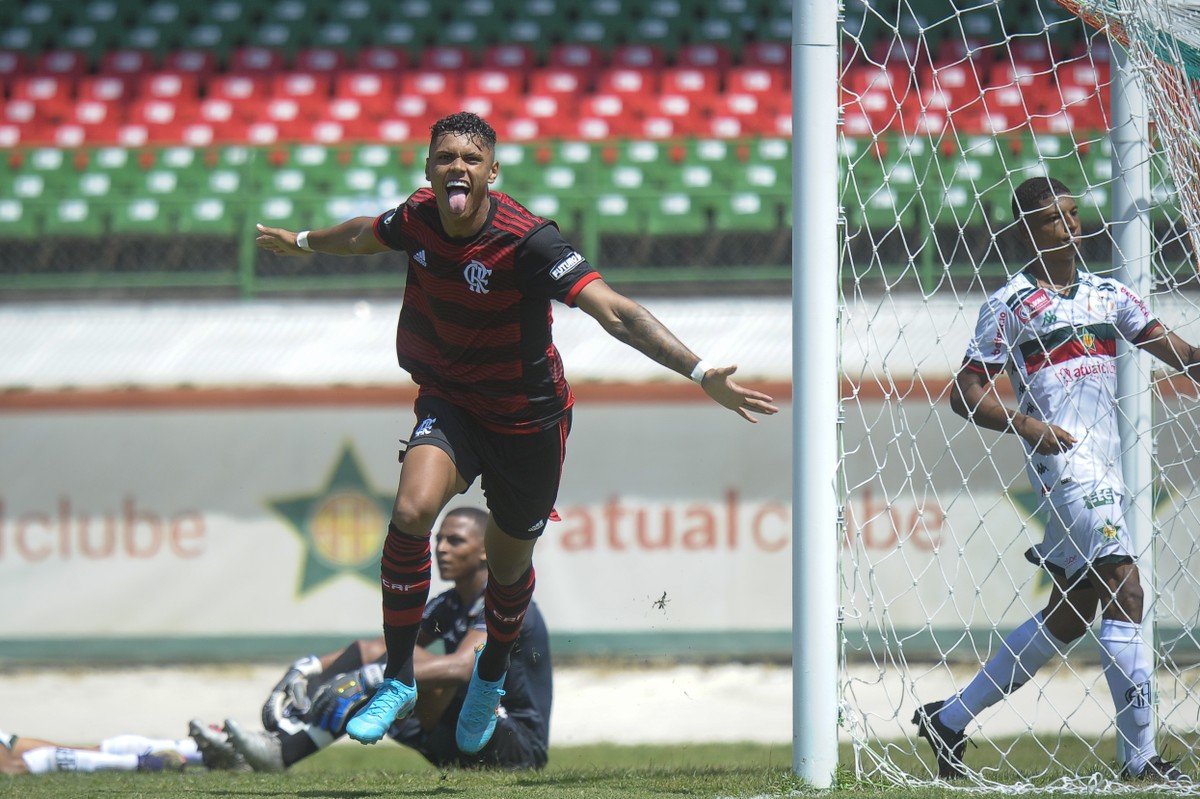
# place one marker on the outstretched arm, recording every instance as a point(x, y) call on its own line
point(973, 396)
point(352, 237)
point(1172, 350)
point(627, 321)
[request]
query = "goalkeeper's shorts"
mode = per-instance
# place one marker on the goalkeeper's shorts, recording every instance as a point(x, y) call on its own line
point(1084, 527)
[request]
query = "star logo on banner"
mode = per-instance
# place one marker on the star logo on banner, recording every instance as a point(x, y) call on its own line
point(342, 525)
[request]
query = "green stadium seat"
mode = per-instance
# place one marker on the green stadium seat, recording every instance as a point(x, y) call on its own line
point(141, 214)
point(613, 212)
point(218, 215)
point(19, 218)
point(75, 216)
point(748, 210)
point(676, 213)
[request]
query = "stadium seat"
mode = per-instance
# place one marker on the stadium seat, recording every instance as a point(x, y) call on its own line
point(76, 216)
point(19, 218)
point(213, 215)
point(141, 214)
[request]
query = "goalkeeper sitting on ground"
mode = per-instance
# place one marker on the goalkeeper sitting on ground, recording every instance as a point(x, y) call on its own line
point(310, 706)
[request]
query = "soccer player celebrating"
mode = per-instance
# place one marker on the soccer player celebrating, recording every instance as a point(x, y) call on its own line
point(1053, 327)
point(474, 334)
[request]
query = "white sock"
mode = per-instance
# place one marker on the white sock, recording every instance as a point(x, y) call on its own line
point(57, 758)
point(1126, 661)
point(141, 745)
point(1024, 651)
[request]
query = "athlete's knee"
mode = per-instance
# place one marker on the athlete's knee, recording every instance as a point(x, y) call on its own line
point(414, 515)
point(1124, 586)
point(1067, 624)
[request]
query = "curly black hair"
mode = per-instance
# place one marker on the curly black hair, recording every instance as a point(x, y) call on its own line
point(466, 124)
point(1033, 193)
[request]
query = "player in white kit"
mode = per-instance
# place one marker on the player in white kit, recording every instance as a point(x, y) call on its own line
point(1053, 328)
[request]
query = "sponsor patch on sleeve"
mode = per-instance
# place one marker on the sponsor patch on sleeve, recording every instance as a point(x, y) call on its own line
point(565, 265)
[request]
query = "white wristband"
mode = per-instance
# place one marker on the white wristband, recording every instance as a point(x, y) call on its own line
point(701, 368)
point(302, 240)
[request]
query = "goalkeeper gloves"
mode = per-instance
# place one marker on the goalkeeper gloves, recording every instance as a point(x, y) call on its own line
point(336, 702)
point(290, 692)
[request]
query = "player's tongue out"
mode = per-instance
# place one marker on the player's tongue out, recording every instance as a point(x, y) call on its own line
point(456, 195)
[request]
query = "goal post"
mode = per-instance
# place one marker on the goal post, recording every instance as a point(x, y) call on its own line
point(814, 397)
point(946, 106)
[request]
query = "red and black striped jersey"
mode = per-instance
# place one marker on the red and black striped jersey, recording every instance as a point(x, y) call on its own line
point(475, 327)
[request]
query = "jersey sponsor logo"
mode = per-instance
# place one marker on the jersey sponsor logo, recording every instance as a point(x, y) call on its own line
point(425, 427)
point(1034, 304)
point(565, 265)
point(1100, 498)
point(420, 257)
point(477, 276)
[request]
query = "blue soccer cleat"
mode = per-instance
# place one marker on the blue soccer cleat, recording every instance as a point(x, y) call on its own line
point(392, 700)
point(477, 719)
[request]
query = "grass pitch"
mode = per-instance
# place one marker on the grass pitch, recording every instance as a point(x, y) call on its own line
point(719, 771)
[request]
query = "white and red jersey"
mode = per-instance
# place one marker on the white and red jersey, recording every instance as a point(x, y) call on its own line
point(1060, 352)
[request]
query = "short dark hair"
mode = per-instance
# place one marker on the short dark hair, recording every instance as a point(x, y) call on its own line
point(477, 516)
point(1033, 193)
point(466, 124)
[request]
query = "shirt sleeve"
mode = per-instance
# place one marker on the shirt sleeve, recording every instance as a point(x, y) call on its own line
point(989, 348)
point(1132, 317)
point(387, 228)
point(548, 267)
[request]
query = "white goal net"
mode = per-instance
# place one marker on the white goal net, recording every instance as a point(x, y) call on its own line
point(946, 107)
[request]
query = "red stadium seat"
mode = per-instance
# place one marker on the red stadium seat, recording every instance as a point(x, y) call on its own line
point(560, 81)
point(126, 62)
point(238, 86)
point(691, 80)
point(546, 106)
point(396, 130)
point(638, 56)
point(575, 56)
point(319, 59)
point(429, 82)
point(154, 111)
point(311, 86)
point(756, 80)
point(61, 62)
point(508, 56)
point(383, 59)
point(106, 88)
point(50, 94)
point(494, 82)
point(169, 85)
point(190, 62)
point(767, 54)
point(705, 55)
point(373, 90)
point(627, 81)
point(255, 59)
point(445, 57)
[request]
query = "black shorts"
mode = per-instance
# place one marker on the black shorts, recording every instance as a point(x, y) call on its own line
point(513, 745)
point(521, 471)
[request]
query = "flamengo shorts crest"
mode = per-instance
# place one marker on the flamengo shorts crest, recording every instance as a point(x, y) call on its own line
point(1084, 526)
point(520, 472)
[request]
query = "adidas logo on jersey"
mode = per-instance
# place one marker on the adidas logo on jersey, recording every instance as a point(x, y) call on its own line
point(420, 257)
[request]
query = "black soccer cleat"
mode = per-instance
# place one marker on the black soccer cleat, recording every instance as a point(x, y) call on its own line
point(1160, 771)
point(948, 745)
